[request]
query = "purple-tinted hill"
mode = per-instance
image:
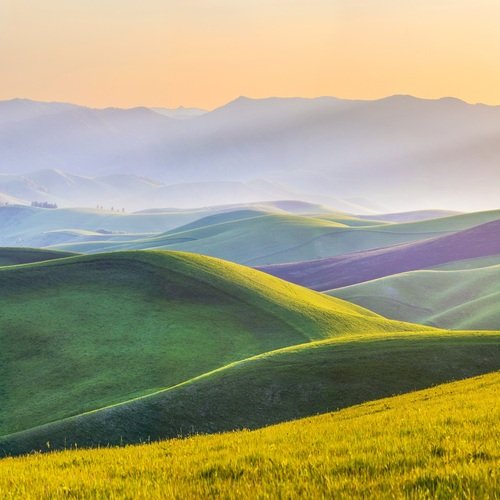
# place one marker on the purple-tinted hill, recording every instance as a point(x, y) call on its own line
point(349, 269)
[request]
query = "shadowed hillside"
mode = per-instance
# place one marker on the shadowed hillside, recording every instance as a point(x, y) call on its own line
point(200, 339)
point(14, 256)
point(274, 238)
point(282, 385)
point(74, 324)
point(325, 274)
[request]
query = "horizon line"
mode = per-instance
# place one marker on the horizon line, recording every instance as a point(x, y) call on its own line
point(250, 98)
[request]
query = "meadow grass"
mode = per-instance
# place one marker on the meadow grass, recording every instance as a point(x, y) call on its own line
point(281, 385)
point(84, 332)
point(275, 238)
point(449, 223)
point(461, 265)
point(437, 443)
point(457, 299)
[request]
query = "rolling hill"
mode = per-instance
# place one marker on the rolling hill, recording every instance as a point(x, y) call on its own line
point(15, 256)
point(275, 238)
point(32, 226)
point(479, 241)
point(436, 443)
point(460, 265)
point(448, 299)
point(207, 345)
point(281, 385)
point(73, 325)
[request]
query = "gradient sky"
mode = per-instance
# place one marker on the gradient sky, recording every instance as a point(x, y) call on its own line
point(207, 52)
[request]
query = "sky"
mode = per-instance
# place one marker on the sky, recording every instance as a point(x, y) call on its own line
point(204, 53)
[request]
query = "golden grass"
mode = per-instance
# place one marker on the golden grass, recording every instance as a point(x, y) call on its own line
point(436, 443)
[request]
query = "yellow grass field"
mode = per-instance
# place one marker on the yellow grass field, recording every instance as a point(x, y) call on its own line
point(436, 443)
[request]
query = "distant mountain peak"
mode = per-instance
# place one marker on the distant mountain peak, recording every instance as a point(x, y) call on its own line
point(181, 112)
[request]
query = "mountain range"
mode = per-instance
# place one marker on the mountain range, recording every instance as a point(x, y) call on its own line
point(379, 155)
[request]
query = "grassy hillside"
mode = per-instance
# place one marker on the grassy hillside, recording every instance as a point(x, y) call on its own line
point(339, 219)
point(459, 265)
point(97, 330)
point(446, 224)
point(352, 268)
point(281, 385)
point(279, 238)
point(22, 225)
point(233, 238)
point(449, 299)
point(220, 218)
point(44, 228)
point(437, 443)
point(14, 256)
point(31, 226)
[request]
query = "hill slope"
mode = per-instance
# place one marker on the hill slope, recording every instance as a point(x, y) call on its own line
point(462, 265)
point(32, 226)
point(448, 299)
point(14, 256)
point(73, 325)
point(273, 238)
point(281, 385)
point(29, 226)
point(437, 443)
point(480, 241)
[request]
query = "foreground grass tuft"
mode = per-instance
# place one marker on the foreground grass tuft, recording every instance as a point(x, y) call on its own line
point(436, 443)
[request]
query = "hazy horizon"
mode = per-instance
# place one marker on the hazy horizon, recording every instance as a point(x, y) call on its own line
point(400, 153)
point(253, 98)
point(353, 139)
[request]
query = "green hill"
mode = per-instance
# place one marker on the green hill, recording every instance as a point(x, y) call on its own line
point(277, 386)
point(230, 237)
point(98, 330)
point(21, 225)
point(437, 443)
point(449, 223)
point(14, 256)
point(220, 218)
point(460, 265)
point(135, 345)
point(277, 238)
point(458, 299)
point(37, 227)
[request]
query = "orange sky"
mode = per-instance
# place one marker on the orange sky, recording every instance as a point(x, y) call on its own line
point(207, 52)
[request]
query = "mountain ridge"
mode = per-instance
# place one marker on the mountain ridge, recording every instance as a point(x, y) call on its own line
point(313, 147)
